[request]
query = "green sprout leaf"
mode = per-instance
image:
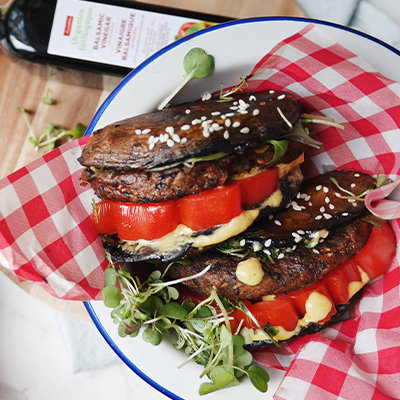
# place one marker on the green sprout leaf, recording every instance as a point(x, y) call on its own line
point(47, 99)
point(197, 64)
point(112, 297)
point(259, 377)
point(220, 378)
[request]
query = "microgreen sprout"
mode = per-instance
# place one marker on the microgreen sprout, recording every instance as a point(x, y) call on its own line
point(225, 96)
point(197, 64)
point(360, 197)
point(47, 99)
point(203, 331)
point(314, 119)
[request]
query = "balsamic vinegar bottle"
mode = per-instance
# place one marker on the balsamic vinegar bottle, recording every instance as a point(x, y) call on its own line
point(110, 37)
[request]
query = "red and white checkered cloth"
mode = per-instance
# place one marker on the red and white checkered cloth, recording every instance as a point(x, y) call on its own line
point(46, 233)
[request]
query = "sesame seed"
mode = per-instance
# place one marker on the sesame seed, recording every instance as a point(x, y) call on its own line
point(268, 243)
point(215, 126)
point(300, 232)
point(279, 223)
point(327, 216)
point(138, 131)
point(176, 138)
point(235, 103)
point(226, 135)
point(252, 98)
point(357, 175)
point(295, 234)
point(256, 247)
point(245, 130)
point(318, 188)
point(228, 122)
point(146, 131)
point(325, 189)
point(353, 185)
point(272, 91)
point(318, 217)
point(233, 108)
point(187, 111)
point(150, 139)
point(307, 198)
point(296, 207)
point(298, 239)
point(242, 242)
point(183, 140)
point(315, 251)
point(322, 209)
point(327, 200)
point(170, 143)
point(241, 111)
point(309, 204)
point(236, 124)
point(185, 127)
point(345, 214)
point(229, 115)
point(170, 130)
point(196, 121)
point(351, 200)
point(281, 256)
point(354, 204)
point(267, 252)
point(331, 206)
point(215, 113)
point(298, 195)
point(204, 118)
point(151, 146)
point(281, 97)
point(206, 133)
point(256, 111)
point(206, 96)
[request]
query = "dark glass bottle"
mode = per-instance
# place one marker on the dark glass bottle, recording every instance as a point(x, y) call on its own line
point(103, 29)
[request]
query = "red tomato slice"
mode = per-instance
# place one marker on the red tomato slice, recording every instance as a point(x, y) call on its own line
point(278, 312)
point(255, 189)
point(103, 218)
point(378, 253)
point(210, 208)
point(337, 283)
point(300, 297)
point(184, 28)
point(145, 221)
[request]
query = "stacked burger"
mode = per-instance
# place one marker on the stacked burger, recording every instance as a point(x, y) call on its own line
point(218, 183)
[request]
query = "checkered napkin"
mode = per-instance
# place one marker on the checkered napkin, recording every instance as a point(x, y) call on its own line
point(46, 234)
point(360, 357)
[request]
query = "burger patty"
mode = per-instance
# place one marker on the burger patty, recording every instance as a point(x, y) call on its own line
point(159, 251)
point(180, 181)
point(295, 270)
point(318, 230)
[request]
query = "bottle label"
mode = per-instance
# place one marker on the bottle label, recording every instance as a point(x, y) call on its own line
point(112, 34)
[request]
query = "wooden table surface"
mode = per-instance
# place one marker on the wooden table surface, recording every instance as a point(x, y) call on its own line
point(77, 96)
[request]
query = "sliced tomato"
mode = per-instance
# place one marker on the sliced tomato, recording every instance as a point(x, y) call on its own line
point(255, 189)
point(103, 218)
point(279, 311)
point(184, 28)
point(337, 282)
point(377, 255)
point(300, 299)
point(210, 208)
point(145, 221)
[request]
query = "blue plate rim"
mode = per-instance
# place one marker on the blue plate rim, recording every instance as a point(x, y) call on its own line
point(119, 87)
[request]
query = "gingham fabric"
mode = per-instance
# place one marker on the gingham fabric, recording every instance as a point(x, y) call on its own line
point(360, 357)
point(46, 235)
